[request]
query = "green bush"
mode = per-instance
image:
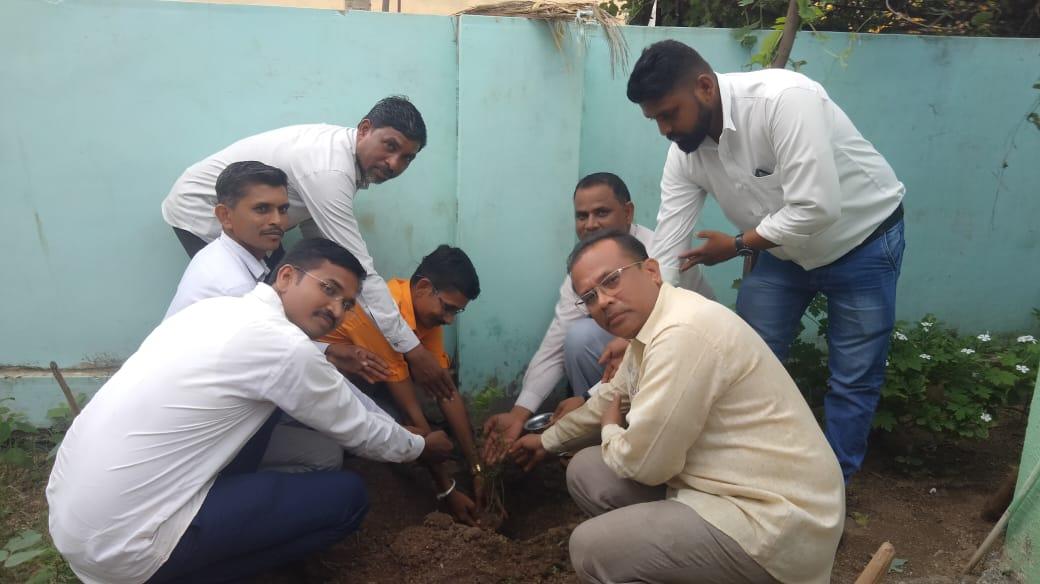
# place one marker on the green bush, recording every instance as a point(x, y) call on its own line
point(949, 384)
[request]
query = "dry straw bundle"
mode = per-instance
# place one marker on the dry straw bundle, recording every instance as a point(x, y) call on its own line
point(556, 15)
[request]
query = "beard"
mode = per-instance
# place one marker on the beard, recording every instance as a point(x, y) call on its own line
point(691, 141)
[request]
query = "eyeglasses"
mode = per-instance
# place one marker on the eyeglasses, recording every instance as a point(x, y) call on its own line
point(609, 284)
point(447, 308)
point(331, 290)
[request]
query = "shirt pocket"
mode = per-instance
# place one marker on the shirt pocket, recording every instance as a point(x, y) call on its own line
point(766, 193)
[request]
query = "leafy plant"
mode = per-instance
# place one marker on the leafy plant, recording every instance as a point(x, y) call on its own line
point(13, 430)
point(23, 547)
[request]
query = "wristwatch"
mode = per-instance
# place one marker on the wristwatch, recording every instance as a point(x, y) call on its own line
point(742, 248)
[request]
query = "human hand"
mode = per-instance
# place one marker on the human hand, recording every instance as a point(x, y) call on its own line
point(438, 447)
point(718, 248)
point(500, 431)
point(528, 451)
point(566, 406)
point(611, 357)
point(356, 360)
point(426, 370)
point(462, 508)
point(612, 415)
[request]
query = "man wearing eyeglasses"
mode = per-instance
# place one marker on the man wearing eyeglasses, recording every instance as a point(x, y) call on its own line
point(442, 286)
point(157, 479)
point(712, 467)
point(574, 346)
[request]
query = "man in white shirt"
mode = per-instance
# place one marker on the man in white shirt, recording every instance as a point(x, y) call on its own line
point(252, 207)
point(817, 203)
point(156, 479)
point(326, 166)
point(574, 345)
point(718, 473)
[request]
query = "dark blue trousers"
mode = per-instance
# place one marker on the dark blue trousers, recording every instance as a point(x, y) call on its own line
point(254, 521)
point(861, 313)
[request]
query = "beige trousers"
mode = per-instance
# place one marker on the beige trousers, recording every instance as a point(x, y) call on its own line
point(636, 535)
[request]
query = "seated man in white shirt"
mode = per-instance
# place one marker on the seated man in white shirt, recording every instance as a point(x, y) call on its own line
point(156, 480)
point(326, 166)
point(816, 202)
point(718, 473)
point(574, 345)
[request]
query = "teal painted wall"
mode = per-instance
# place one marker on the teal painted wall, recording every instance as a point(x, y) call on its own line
point(1022, 545)
point(106, 102)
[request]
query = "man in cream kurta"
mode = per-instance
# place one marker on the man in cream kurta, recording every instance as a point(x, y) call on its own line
point(721, 473)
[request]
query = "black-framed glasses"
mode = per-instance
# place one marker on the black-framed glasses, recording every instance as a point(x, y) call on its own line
point(609, 284)
point(333, 291)
point(448, 308)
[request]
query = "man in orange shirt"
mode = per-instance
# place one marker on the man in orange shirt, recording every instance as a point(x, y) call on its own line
point(441, 287)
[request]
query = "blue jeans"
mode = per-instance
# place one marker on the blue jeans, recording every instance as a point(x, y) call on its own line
point(861, 298)
point(254, 521)
point(582, 347)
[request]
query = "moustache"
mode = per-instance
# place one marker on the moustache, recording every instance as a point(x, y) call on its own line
point(275, 231)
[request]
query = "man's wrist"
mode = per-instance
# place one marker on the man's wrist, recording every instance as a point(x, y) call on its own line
point(521, 412)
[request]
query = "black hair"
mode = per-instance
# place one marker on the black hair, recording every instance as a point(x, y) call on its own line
point(233, 180)
point(661, 67)
point(398, 113)
point(607, 179)
point(449, 268)
point(308, 254)
point(626, 241)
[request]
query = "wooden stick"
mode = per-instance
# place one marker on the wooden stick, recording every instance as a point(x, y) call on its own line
point(878, 566)
point(65, 389)
point(999, 527)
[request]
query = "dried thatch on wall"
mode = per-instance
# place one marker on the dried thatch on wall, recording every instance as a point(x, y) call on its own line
point(557, 14)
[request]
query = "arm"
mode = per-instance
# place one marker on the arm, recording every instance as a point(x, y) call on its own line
point(329, 196)
point(681, 204)
point(800, 127)
point(585, 421)
point(309, 389)
point(684, 375)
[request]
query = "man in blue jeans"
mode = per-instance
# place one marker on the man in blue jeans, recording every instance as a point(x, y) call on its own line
point(813, 200)
point(157, 480)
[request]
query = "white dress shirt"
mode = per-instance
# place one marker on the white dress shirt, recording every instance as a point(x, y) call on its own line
point(222, 268)
point(323, 180)
point(137, 463)
point(789, 164)
point(546, 367)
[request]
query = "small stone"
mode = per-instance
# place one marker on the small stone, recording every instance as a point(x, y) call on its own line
point(932, 491)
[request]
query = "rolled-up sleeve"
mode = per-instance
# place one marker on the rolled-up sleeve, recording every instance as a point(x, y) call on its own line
point(329, 196)
point(681, 203)
point(799, 125)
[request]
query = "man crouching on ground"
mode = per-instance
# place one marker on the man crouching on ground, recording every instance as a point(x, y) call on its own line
point(157, 478)
point(718, 473)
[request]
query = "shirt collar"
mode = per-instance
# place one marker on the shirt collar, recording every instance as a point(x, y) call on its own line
point(268, 296)
point(726, 97)
point(657, 315)
point(257, 268)
point(360, 180)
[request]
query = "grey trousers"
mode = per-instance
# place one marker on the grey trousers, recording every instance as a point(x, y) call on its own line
point(582, 347)
point(296, 448)
point(636, 535)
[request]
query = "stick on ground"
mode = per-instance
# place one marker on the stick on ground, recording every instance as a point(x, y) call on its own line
point(65, 389)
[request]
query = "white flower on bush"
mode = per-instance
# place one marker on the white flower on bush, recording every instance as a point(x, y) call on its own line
point(1022, 368)
point(925, 356)
point(985, 417)
point(1027, 339)
point(900, 336)
point(886, 362)
point(984, 337)
point(926, 324)
point(967, 351)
